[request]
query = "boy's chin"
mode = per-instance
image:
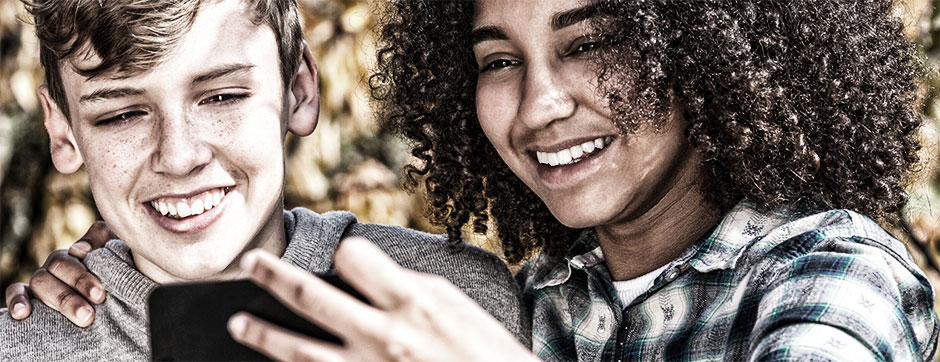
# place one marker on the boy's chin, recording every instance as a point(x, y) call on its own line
point(197, 267)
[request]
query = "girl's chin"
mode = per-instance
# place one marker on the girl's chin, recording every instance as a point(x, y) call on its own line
point(580, 221)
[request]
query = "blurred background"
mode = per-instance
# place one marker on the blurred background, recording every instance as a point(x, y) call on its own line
point(346, 164)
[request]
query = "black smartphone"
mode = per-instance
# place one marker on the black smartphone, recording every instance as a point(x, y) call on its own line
point(188, 320)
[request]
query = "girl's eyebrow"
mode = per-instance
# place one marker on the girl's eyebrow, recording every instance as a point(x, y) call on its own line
point(559, 21)
point(485, 33)
point(570, 17)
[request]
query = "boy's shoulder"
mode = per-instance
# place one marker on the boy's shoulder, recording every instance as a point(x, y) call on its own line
point(47, 335)
point(412, 249)
point(478, 273)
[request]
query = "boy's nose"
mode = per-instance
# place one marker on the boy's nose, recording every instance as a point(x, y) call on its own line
point(180, 149)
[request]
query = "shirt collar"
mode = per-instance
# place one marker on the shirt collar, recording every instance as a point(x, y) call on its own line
point(740, 227)
point(720, 249)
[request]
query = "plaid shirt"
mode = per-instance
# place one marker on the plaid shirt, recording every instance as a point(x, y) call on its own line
point(775, 286)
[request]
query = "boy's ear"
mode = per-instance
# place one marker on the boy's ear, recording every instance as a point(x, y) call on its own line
point(65, 153)
point(305, 95)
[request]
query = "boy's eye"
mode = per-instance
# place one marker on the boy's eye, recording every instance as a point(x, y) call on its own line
point(121, 118)
point(498, 64)
point(223, 98)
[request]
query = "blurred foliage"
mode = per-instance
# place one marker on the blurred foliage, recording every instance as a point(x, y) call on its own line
point(345, 164)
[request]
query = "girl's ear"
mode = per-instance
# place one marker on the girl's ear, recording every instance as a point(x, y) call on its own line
point(66, 156)
point(305, 95)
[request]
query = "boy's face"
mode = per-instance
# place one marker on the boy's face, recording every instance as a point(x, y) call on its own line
point(186, 160)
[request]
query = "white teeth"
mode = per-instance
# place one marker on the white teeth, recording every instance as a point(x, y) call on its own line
point(183, 208)
point(552, 159)
point(196, 207)
point(208, 201)
point(178, 208)
point(588, 147)
point(564, 157)
point(574, 154)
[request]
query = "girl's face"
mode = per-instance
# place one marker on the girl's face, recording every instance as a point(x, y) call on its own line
point(536, 102)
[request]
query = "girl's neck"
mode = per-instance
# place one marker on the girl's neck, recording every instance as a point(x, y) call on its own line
point(660, 234)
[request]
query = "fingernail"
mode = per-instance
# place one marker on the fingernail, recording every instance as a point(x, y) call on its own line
point(82, 246)
point(19, 309)
point(84, 314)
point(236, 325)
point(97, 294)
point(249, 260)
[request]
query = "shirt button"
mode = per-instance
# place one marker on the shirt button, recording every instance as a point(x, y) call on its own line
point(672, 273)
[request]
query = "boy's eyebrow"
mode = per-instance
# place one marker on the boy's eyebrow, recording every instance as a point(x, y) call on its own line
point(112, 93)
point(109, 93)
point(221, 72)
point(486, 33)
point(574, 16)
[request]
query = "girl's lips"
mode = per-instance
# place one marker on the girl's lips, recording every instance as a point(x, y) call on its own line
point(573, 154)
point(571, 173)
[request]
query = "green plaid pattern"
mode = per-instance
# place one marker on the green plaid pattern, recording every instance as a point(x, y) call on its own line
point(760, 286)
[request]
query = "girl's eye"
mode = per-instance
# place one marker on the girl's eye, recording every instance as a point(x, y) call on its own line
point(585, 47)
point(121, 118)
point(498, 64)
point(223, 98)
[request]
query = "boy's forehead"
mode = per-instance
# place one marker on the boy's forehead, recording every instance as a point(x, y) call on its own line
point(215, 22)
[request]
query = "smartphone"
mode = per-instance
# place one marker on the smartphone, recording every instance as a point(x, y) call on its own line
point(188, 320)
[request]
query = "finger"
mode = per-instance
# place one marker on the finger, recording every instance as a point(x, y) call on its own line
point(17, 298)
point(68, 269)
point(373, 273)
point(96, 236)
point(278, 343)
point(332, 309)
point(59, 296)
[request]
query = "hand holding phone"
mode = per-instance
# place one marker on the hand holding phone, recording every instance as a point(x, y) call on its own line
point(188, 320)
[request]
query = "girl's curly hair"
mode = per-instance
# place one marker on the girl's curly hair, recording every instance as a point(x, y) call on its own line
point(801, 102)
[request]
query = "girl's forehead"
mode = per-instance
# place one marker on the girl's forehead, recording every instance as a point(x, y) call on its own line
point(523, 12)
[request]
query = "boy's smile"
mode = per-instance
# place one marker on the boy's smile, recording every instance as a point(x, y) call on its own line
point(186, 159)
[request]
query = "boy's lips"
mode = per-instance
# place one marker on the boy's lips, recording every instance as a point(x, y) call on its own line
point(192, 204)
point(188, 214)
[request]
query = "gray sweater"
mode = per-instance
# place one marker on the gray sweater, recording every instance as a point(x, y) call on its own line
point(120, 330)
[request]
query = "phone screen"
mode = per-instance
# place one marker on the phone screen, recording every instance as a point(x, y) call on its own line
point(188, 320)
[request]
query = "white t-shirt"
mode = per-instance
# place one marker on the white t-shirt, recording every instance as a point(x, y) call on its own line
point(628, 290)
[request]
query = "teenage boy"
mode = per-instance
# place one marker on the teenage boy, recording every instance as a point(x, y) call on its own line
point(173, 109)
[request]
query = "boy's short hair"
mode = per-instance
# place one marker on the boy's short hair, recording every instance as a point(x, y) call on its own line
point(135, 35)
